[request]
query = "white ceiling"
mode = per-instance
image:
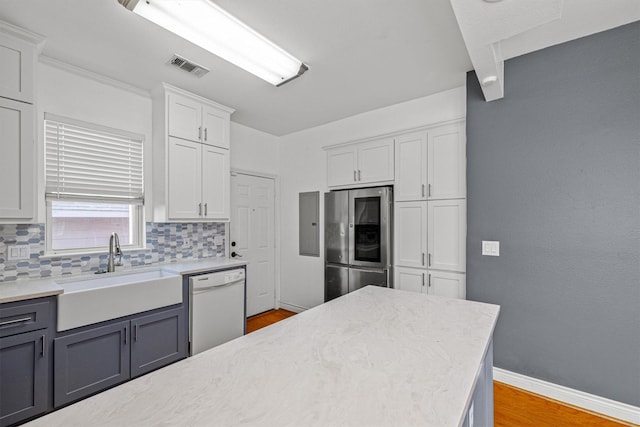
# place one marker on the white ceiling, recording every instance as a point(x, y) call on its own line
point(363, 54)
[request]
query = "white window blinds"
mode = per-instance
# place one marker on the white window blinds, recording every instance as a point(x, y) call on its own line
point(91, 162)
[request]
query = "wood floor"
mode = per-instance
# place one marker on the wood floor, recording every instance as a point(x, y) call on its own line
point(513, 407)
point(261, 320)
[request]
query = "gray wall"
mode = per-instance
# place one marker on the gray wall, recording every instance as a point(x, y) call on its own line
point(553, 174)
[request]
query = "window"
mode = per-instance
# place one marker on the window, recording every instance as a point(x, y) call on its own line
point(94, 186)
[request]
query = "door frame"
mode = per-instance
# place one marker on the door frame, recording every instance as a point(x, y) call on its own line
point(276, 225)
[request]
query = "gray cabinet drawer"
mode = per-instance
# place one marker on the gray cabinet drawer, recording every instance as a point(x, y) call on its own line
point(19, 317)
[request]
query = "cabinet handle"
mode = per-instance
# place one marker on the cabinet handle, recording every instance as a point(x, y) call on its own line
point(354, 176)
point(429, 260)
point(199, 209)
point(200, 133)
point(10, 322)
point(125, 334)
point(205, 209)
point(422, 258)
point(135, 333)
point(43, 342)
point(429, 193)
point(359, 175)
point(205, 134)
point(429, 280)
point(423, 279)
point(422, 190)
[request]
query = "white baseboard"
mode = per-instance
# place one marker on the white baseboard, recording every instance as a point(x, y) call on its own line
point(591, 402)
point(291, 307)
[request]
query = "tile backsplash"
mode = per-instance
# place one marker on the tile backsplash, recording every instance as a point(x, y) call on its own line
point(165, 242)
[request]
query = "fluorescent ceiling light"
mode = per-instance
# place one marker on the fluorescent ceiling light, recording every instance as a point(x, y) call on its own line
point(205, 24)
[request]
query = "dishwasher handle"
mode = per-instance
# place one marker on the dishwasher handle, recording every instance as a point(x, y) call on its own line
point(198, 289)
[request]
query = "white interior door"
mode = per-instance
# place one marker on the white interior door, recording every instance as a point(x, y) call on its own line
point(252, 237)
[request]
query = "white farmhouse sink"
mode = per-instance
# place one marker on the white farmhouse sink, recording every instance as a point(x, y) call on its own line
point(93, 299)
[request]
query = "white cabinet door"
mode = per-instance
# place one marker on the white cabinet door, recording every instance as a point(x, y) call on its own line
point(185, 179)
point(215, 125)
point(375, 161)
point(410, 231)
point(16, 68)
point(215, 183)
point(446, 284)
point(409, 279)
point(411, 167)
point(17, 159)
point(447, 163)
point(447, 235)
point(342, 165)
point(185, 117)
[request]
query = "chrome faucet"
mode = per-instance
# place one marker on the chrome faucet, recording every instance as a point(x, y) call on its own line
point(114, 251)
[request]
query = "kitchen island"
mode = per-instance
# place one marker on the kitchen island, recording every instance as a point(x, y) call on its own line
point(376, 356)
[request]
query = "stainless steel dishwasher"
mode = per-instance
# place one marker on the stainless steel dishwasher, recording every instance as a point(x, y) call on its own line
point(217, 308)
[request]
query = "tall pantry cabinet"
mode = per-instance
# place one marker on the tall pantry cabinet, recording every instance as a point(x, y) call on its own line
point(18, 50)
point(430, 211)
point(192, 158)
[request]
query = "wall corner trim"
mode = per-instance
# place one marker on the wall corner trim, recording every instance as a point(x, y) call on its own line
point(591, 402)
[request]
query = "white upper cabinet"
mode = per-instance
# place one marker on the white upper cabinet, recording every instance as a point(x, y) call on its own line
point(215, 127)
point(191, 157)
point(447, 163)
point(16, 161)
point(18, 49)
point(431, 164)
point(411, 167)
point(17, 62)
point(185, 117)
point(375, 161)
point(342, 166)
point(447, 234)
point(362, 163)
point(198, 120)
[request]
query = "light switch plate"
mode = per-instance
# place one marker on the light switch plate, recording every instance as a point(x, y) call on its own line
point(218, 240)
point(18, 252)
point(490, 248)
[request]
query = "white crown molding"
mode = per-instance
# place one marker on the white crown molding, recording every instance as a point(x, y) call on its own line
point(591, 402)
point(47, 60)
point(21, 33)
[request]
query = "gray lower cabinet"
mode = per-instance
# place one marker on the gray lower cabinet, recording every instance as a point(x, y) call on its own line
point(24, 361)
point(25, 357)
point(100, 357)
point(90, 361)
point(158, 339)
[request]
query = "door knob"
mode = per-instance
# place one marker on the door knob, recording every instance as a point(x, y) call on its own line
point(235, 254)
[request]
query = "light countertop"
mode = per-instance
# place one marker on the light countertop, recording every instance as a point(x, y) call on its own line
point(24, 289)
point(374, 357)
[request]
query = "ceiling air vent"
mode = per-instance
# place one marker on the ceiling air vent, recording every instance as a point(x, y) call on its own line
point(188, 66)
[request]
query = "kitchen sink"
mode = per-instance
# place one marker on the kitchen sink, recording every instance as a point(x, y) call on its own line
point(92, 299)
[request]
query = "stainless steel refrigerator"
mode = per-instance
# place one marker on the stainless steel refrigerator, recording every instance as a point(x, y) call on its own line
point(358, 240)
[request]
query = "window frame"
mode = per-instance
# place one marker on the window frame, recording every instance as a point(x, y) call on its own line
point(137, 217)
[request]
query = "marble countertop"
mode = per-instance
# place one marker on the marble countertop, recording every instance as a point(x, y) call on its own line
point(24, 289)
point(374, 357)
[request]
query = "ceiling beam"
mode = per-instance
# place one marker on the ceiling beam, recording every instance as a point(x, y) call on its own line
point(485, 23)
